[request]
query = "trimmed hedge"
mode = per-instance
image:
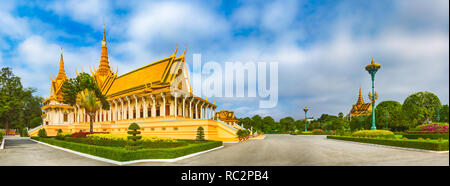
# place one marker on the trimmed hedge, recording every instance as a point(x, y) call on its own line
point(123, 143)
point(417, 144)
point(121, 154)
point(425, 136)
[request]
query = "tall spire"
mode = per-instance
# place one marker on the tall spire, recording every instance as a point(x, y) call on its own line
point(104, 67)
point(61, 72)
point(360, 98)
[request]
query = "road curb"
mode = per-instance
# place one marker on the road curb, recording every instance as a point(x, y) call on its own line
point(392, 147)
point(3, 144)
point(127, 162)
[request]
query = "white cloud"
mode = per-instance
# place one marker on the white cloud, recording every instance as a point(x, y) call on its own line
point(92, 12)
point(177, 21)
point(12, 26)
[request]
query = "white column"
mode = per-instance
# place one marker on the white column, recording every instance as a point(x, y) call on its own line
point(163, 106)
point(196, 110)
point(153, 106)
point(121, 110)
point(191, 115)
point(144, 109)
point(110, 112)
point(128, 107)
point(203, 116)
point(136, 107)
point(184, 108)
point(114, 111)
point(176, 105)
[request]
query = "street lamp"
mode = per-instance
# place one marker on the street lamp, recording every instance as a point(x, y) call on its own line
point(306, 110)
point(386, 115)
point(437, 116)
point(372, 68)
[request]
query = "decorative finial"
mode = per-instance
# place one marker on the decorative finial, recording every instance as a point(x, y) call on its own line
point(176, 50)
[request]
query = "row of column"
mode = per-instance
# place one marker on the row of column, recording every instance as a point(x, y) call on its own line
point(128, 107)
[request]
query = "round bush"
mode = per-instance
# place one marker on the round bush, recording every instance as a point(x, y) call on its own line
point(42, 133)
point(374, 134)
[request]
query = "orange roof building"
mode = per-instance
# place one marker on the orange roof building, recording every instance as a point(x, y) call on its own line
point(157, 96)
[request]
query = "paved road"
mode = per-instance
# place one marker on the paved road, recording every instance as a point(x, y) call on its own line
point(24, 152)
point(274, 150)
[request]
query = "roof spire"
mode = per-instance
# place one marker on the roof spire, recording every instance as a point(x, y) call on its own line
point(104, 67)
point(360, 98)
point(61, 72)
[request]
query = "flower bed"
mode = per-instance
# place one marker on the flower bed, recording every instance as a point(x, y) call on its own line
point(373, 133)
point(124, 137)
point(122, 154)
point(426, 135)
point(431, 128)
point(437, 145)
point(84, 134)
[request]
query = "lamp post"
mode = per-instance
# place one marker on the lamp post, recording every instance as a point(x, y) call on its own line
point(372, 68)
point(306, 110)
point(386, 115)
point(437, 116)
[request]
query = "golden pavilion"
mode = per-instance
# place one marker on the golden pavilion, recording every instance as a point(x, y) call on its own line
point(227, 117)
point(360, 108)
point(157, 96)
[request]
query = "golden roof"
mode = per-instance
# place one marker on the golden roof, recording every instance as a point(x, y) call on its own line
point(61, 73)
point(154, 75)
point(361, 108)
point(57, 82)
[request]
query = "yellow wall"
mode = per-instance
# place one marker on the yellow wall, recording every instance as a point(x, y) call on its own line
point(177, 129)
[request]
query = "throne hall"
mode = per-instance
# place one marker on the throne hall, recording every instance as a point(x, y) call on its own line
point(157, 96)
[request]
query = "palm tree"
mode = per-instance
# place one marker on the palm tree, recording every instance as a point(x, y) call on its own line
point(88, 101)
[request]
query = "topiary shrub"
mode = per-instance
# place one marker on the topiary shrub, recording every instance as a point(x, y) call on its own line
point(243, 134)
point(42, 133)
point(24, 133)
point(59, 131)
point(200, 134)
point(134, 131)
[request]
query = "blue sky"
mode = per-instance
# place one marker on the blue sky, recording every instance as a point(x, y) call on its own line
point(321, 46)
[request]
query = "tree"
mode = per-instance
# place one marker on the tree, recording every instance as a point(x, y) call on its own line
point(268, 123)
point(36, 121)
point(444, 114)
point(88, 101)
point(420, 107)
point(11, 94)
point(83, 90)
point(341, 115)
point(287, 123)
point(391, 110)
point(257, 123)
